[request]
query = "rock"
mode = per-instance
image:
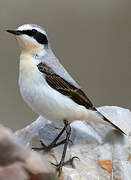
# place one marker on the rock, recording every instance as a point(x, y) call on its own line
point(18, 162)
point(104, 153)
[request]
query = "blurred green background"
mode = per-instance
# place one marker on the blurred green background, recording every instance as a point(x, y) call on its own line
point(92, 38)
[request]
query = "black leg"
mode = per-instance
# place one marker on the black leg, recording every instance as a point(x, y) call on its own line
point(68, 133)
point(53, 144)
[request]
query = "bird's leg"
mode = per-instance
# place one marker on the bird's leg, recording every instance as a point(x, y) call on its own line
point(68, 133)
point(53, 144)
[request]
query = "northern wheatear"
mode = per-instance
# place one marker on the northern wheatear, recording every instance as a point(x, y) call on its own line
point(47, 87)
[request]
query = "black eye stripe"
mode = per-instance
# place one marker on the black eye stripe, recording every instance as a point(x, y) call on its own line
point(41, 38)
point(34, 31)
point(38, 36)
point(28, 32)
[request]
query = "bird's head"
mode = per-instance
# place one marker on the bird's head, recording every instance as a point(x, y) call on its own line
point(32, 38)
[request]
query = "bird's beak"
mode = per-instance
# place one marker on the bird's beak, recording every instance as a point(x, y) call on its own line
point(15, 32)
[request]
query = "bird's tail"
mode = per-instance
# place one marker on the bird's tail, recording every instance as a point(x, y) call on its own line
point(100, 117)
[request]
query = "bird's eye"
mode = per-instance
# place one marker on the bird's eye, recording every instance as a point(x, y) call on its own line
point(34, 31)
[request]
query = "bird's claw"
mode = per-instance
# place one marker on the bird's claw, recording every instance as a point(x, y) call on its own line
point(48, 148)
point(44, 147)
point(59, 166)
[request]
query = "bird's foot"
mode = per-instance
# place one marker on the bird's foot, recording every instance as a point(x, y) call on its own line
point(44, 147)
point(49, 147)
point(68, 162)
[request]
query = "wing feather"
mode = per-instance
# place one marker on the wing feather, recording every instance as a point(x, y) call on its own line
point(67, 89)
point(64, 87)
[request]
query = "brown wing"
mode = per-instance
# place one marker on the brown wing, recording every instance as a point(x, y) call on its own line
point(67, 89)
point(64, 87)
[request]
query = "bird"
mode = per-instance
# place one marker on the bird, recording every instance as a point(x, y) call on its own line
point(48, 88)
